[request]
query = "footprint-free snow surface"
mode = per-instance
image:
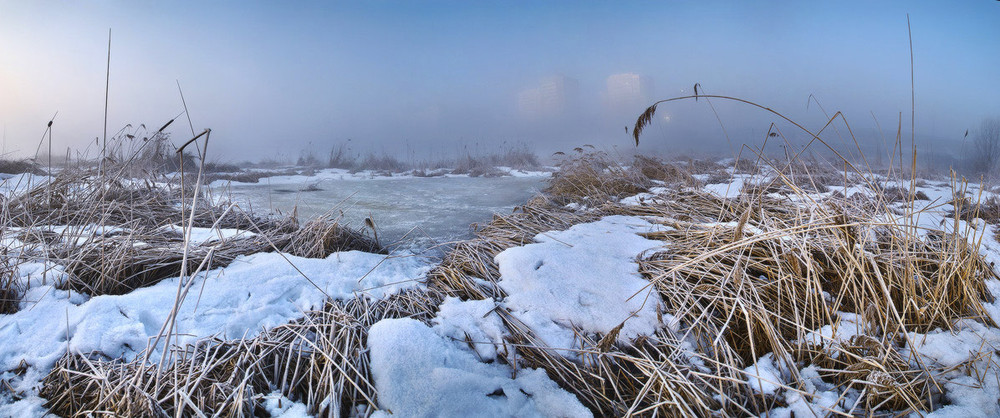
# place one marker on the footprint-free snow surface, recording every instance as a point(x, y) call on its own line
point(585, 277)
point(253, 293)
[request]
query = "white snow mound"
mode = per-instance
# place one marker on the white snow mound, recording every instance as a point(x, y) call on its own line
point(419, 373)
point(585, 277)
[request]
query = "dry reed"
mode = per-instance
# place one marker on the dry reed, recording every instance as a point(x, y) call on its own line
point(746, 277)
point(320, 360)
point(742, 278)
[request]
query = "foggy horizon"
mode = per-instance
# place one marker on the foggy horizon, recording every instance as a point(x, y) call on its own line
point(437, 79)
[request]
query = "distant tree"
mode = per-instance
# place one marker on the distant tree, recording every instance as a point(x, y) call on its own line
point(986, 145)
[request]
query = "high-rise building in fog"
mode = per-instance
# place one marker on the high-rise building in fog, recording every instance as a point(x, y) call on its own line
point(553, 97)
point(628, 90)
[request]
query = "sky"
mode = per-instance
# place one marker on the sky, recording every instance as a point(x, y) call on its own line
point(435, 79)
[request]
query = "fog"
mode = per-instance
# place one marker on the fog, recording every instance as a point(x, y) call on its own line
point(435, 79)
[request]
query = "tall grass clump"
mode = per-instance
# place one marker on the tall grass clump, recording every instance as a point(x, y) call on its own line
point(595, 177)
point(764, 275)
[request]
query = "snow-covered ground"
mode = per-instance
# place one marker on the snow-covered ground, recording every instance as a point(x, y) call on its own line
point(253, 293)
point(969, 343)
point(584, 278)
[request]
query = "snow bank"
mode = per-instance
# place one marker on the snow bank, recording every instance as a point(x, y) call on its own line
point(419, 373)
point(639, 199)
point(474, 320)
point(200, 236)
point(16, 183)
point(253, 293)
point(584, 277)
point(280, 406)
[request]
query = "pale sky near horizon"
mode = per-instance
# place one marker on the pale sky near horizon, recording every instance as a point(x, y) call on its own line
point(271, 78)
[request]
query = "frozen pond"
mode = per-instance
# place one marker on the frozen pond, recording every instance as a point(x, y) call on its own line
point(418, 213)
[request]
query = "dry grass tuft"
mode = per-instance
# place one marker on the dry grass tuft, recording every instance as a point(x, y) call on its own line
point(594, 177)
point(745, 277)
point(20, 166)
point(655, 169)
point(118, 264)
point(987, 210)
point(9, 288)
point(319, 238)
point(208, 380)
point(893, 194)
point(320, 360)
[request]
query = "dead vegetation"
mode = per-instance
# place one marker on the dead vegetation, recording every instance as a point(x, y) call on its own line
point(595, 177)
point(9, 289)
point(112, 233)
point(244, 176)
point(121, 235)
point(747, 277)
point(20, 166)
point(988, 210)
point(320, 360)
point(742, 278)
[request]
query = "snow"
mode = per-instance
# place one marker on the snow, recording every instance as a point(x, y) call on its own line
point(970, 343)
point(17, 183)
point(340, 174)
point(639, 199)
point(40, 273)
point(419, 373)
point(475, 321)
point(27, 407)
point(201, 236)
point(585, 277)
point(815, 399)
point(253, 293)
point(765, 375)
point(727, 190)
point(281, 407)
point(970, 398)
point(733, 188)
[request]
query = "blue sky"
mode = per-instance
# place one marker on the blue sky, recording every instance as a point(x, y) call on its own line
point(272, 77)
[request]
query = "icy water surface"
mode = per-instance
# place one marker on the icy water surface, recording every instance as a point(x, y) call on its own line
point(417, 212)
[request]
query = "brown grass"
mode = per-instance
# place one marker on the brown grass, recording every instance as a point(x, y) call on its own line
point(760, 283)
point(320, 360)
point(594, 178)
point(742, 277)
point(9, 287)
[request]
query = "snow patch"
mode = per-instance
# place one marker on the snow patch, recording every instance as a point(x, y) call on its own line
point(584, 277)
point(419, 373)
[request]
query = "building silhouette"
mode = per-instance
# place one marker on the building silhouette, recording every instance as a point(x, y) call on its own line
point(554, 96)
